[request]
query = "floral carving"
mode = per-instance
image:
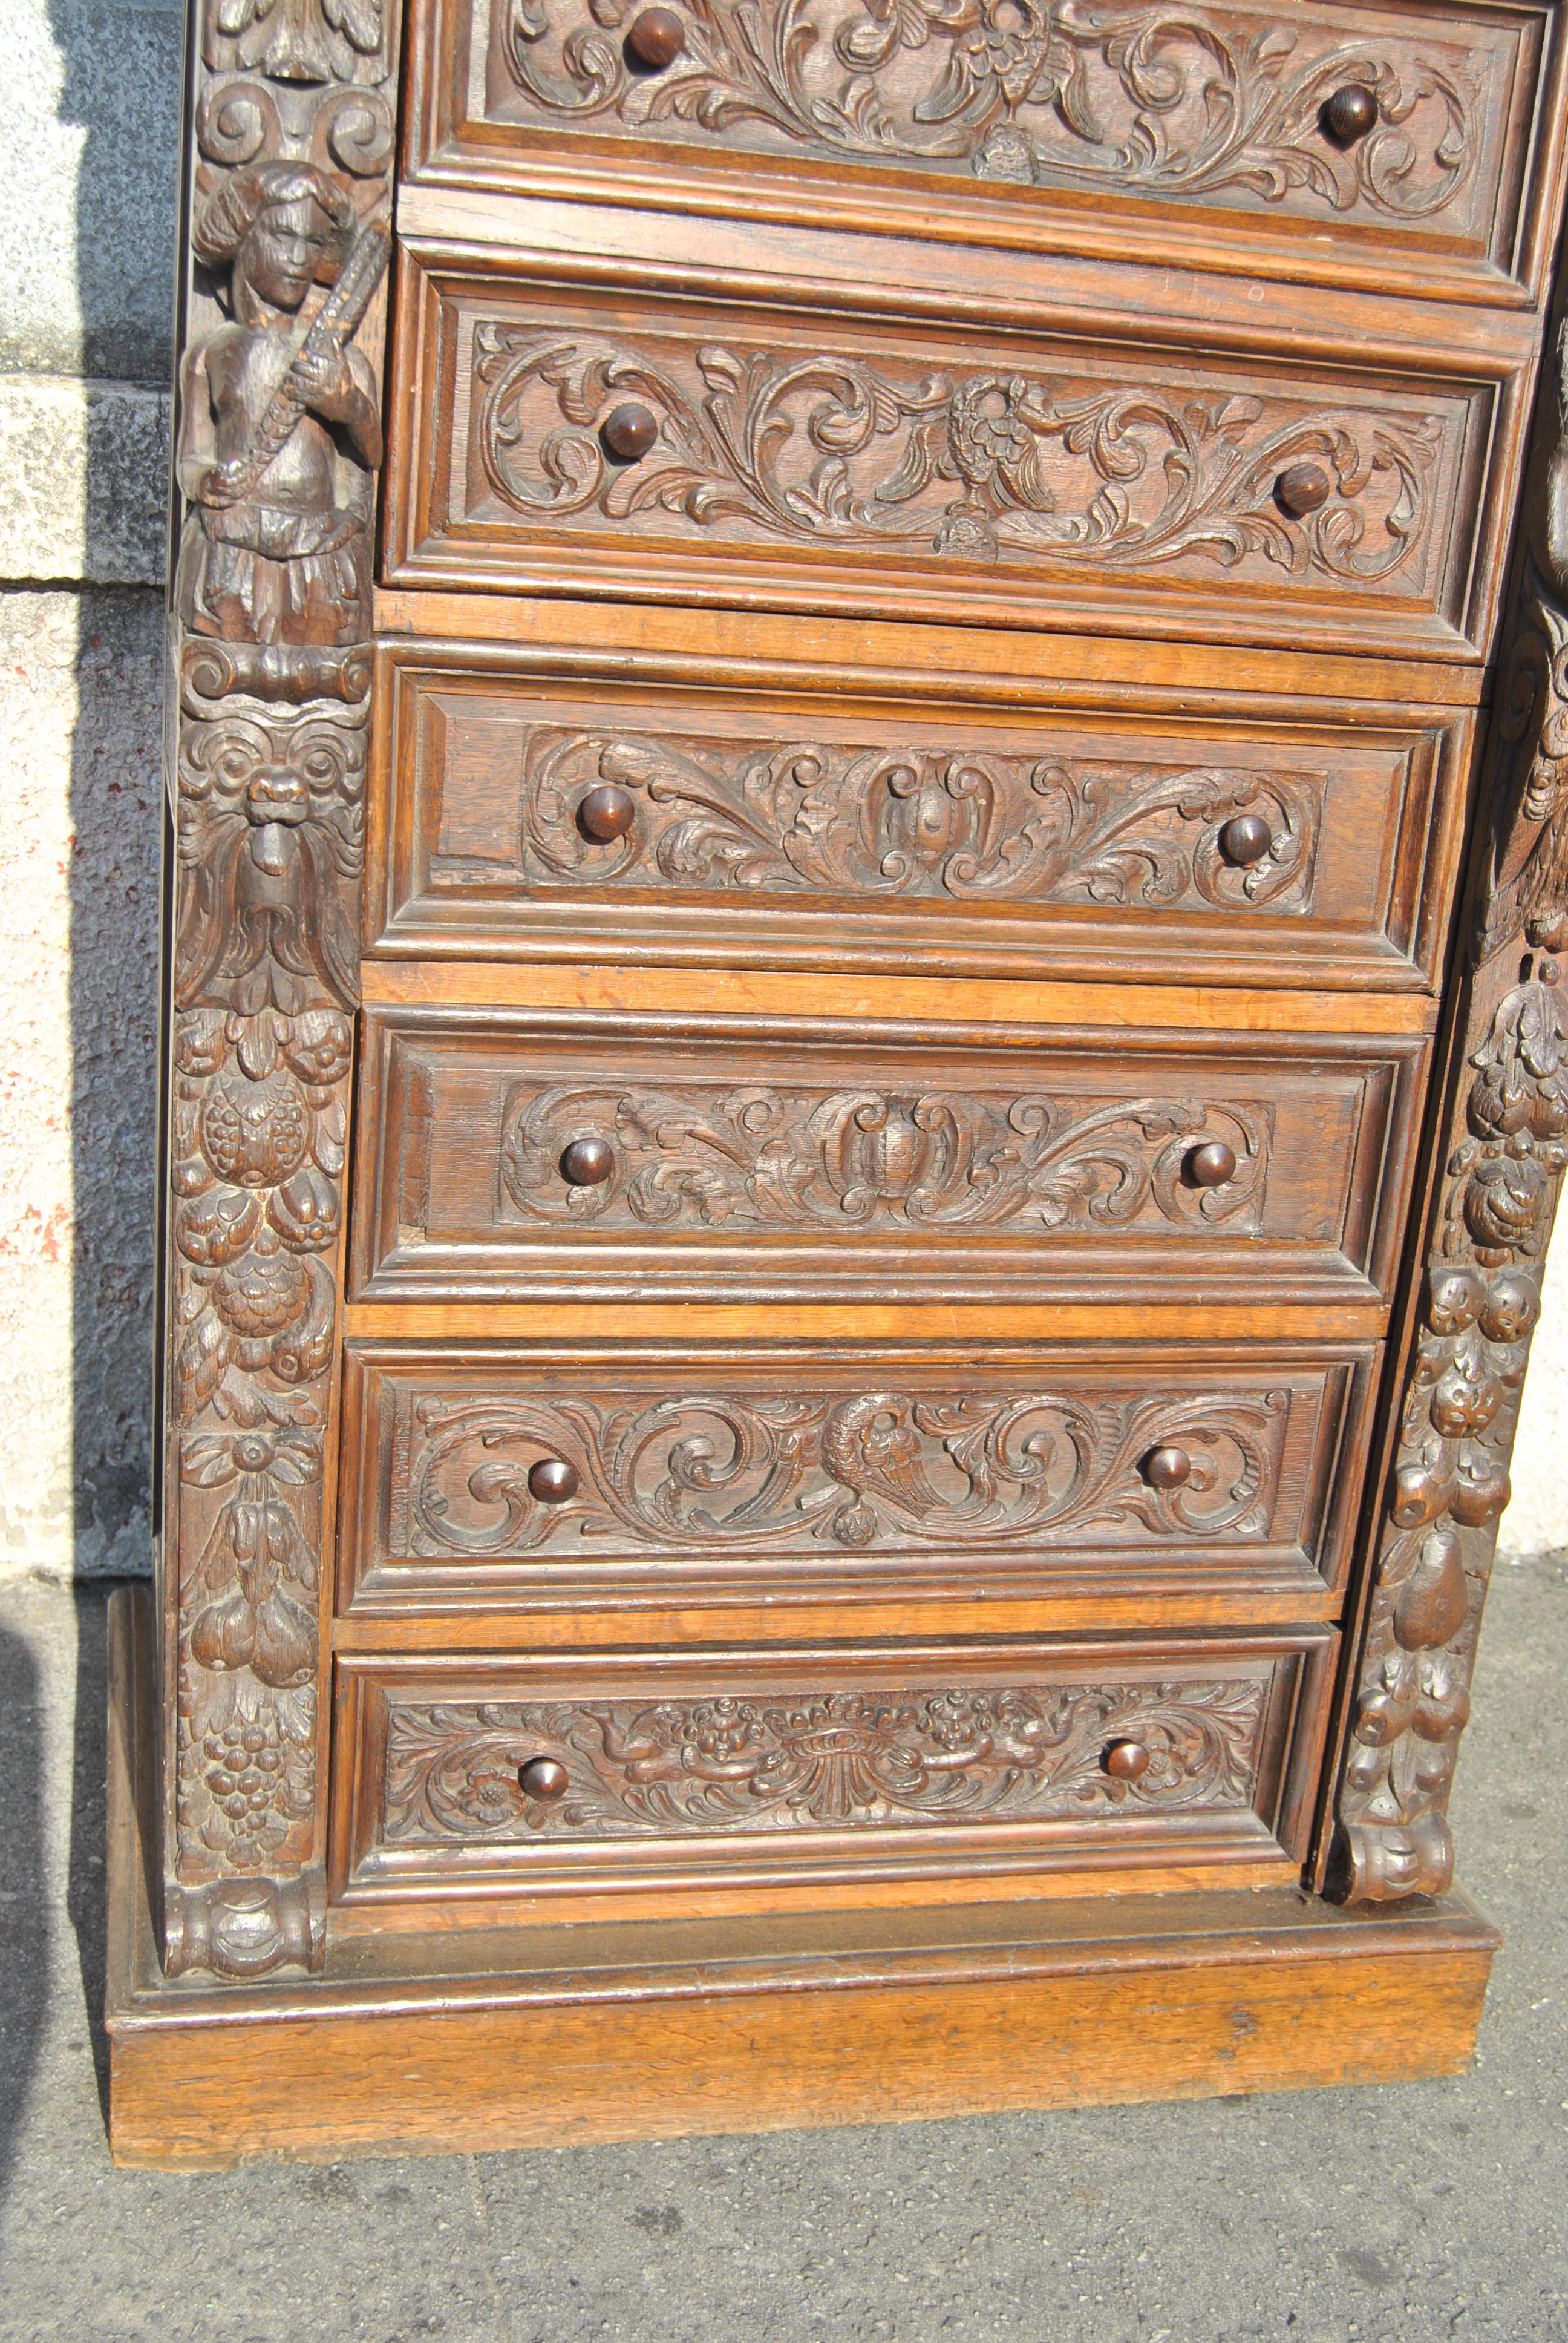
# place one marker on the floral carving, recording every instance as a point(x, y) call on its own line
point(834, 448)
point(279, 435)
point(703, 1471)
point(756, 1157)
point(972, 825)
point(1508, 1149)
point(815, 1760)
point(1140, 100)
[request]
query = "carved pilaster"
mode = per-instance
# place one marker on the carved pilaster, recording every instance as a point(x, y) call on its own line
point(278, 438)
point(1500, 1174)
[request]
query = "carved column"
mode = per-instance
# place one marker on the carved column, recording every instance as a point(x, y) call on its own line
point(1499, 1177)
point(278, 437)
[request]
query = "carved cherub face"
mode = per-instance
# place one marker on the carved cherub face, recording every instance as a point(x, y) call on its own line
point(286, 250)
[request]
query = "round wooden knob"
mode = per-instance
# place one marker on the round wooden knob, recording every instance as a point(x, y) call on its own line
point(629, 431)
point(606, 813)
point(1125, 1761)
point(1246, 839)
point(1348, 115)
point(1210, 1165)
point(1164, 1468)
point(546, 1779)
point(656, 38)
point(588, 1162)
point(553, 1481)
point(1301, 489)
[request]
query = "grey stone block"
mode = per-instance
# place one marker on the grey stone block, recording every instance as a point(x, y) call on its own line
point(83, 481)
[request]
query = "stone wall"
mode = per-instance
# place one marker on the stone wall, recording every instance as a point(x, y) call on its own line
point(89, 120)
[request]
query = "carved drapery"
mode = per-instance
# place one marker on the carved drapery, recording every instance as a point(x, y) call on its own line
point(1503, 1157)
point(279, 441)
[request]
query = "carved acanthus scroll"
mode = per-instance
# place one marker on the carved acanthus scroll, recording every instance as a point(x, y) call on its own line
point(1505, 1151)
point(279, 438)
point(1123, 100)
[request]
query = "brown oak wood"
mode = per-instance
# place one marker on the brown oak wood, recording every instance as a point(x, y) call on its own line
point(796, 1161)
point(491, 361)
point(763, 829)
point(840, 1365)
point(497, 633)
point(490, 2040)
point(702, 1781)
point(490, 108)
point(769, 1480)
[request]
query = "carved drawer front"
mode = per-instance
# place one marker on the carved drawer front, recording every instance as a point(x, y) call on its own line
point(1389, 145)
point(869, 1766)
point(650, 1160)
point(529, 1480)
point(660, 447)
point(531, 818)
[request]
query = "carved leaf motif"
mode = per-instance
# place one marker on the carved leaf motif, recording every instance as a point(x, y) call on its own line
point(1132, 100)
point(980, 469)
point(815, 1760)
point(759, 1157)
point(972, 826)
point(704, 1471)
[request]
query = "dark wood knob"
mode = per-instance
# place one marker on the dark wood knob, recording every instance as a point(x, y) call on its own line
point(1301, 489)
point(546, 1779)
point(553, 1481)
point(1210, 1165)
point(1125, 1761)
point(1348, 115)
point(1163, 1468)
point(656, 38)
point(629, 431)
point(588, 1162)
point(607, 813)
point(1246, 839)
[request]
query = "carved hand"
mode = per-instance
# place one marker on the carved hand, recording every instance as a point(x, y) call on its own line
point(221, 484)
point(323, 382)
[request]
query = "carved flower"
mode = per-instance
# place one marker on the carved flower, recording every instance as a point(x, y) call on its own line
point(992, 437)
point(1005, 46)
point(283, 1452)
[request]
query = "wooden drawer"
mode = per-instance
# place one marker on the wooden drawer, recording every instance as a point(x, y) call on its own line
point(726, 1478)
point(1019, 471)
point(870, 827)
point(1195, 135)
point(729, 1778)
point(786, 1157)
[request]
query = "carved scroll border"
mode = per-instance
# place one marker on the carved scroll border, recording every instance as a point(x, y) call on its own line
point(1503, 1150)
point(289, 189)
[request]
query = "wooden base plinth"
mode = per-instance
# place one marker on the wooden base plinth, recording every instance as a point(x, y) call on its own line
point(551, 2037)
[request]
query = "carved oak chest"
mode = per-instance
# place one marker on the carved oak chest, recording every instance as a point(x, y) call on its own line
point(864, 1075)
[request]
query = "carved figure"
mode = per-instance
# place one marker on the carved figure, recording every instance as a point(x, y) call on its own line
point(279, 555)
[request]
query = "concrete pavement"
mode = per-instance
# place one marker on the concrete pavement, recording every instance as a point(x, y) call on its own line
point(1420, 2212)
